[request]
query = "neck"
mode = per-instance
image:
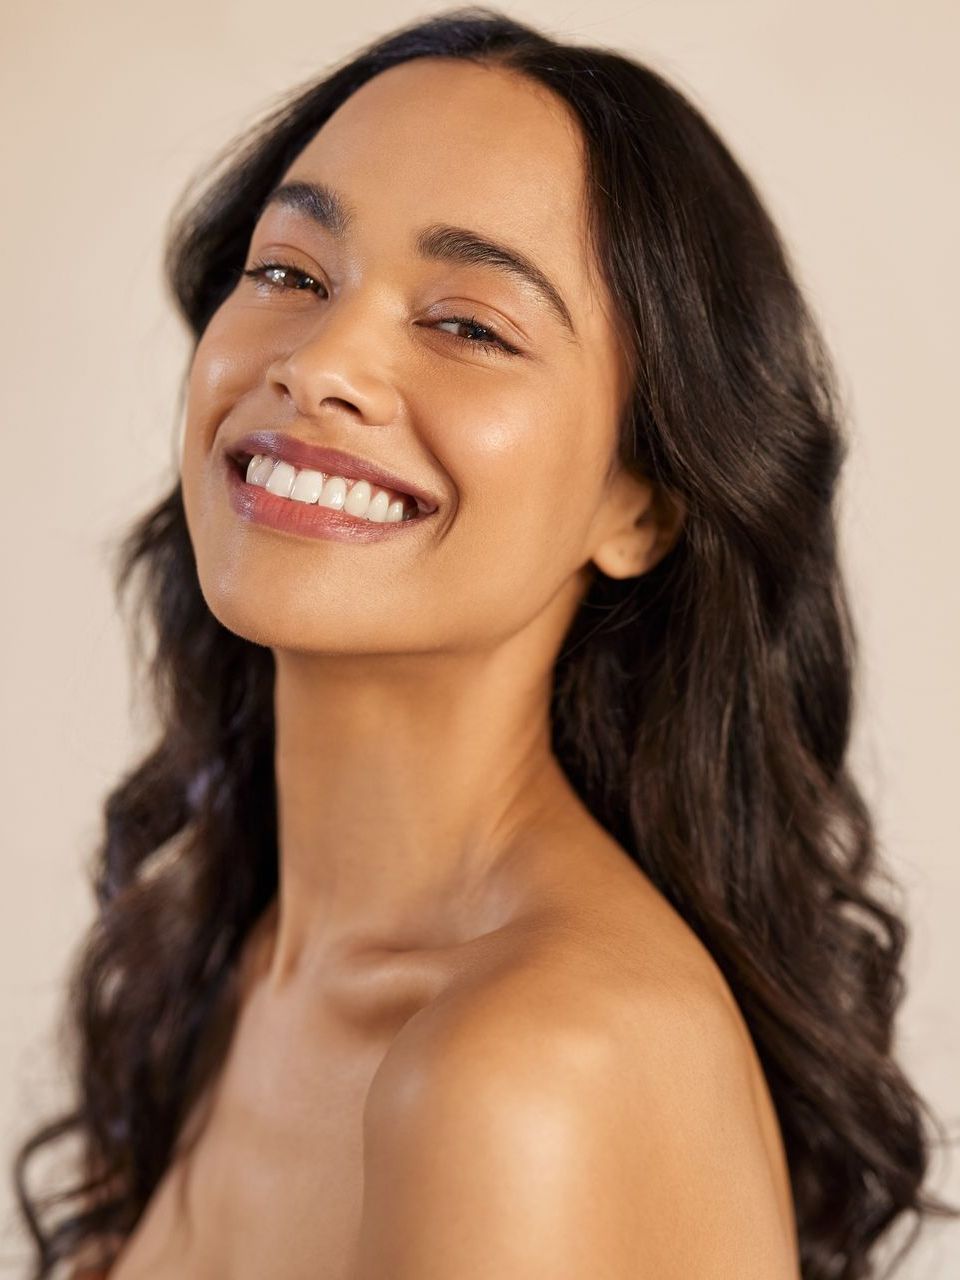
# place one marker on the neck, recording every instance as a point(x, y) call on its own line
point(408, 787)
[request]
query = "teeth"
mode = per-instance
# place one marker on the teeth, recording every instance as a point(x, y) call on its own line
point(356, 498)
point(259, 469)
point(280, 480)
point(307, 486)
point(379, 503)
point(334, 493)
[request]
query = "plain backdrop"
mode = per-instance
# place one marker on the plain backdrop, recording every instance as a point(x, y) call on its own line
point(844, 113)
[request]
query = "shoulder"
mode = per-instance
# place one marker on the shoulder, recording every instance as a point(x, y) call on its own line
point(564, 1124)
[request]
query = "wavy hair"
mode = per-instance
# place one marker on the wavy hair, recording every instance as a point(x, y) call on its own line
point(701, 710)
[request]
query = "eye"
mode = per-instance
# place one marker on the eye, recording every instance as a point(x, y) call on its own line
point(493, 341)
point(285, 277)
point(276, 275)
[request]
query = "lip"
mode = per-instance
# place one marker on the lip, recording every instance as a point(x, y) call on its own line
point(306, 519)
point(301, 453)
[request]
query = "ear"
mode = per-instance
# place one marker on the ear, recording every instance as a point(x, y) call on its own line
point(639, 522)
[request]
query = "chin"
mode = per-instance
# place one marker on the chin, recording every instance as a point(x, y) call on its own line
point(279, 614)
point(263, 613)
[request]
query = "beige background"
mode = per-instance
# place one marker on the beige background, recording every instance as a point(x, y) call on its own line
point(843, 111)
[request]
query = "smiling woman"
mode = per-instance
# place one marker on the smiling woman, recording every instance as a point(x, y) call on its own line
point(484, 906)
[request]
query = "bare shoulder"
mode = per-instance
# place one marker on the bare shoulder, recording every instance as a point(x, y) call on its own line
point(591, 1111)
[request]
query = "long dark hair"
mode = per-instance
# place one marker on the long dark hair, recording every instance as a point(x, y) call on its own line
point(702, 710)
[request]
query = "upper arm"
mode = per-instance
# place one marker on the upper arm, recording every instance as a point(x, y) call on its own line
point(525, 1151)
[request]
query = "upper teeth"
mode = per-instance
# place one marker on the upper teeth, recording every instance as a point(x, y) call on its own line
point(355, 497)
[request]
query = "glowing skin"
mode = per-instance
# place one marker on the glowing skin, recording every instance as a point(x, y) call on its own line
point(418, 797)
point(433, 859)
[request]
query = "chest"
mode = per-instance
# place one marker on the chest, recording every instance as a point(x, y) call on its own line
point(272, 1182)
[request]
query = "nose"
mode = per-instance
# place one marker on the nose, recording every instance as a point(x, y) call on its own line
point(336, 365)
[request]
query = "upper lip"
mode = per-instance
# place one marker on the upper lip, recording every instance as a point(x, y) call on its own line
point(301, 453)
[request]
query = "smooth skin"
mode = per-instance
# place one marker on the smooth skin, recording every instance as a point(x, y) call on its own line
point(473, 1039)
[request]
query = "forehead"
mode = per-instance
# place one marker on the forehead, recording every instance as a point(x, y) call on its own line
point(443, 140)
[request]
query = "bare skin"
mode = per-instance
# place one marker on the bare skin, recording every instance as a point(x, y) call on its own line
point(271, 1175)
point(439, 878)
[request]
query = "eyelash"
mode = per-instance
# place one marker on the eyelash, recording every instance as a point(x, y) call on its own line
point(494, 344)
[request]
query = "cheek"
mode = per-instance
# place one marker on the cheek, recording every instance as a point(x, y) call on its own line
point(527, 457)
point(527, 481)
point(228, 365)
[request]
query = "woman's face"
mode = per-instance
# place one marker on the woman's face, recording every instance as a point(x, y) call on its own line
point(366, 358)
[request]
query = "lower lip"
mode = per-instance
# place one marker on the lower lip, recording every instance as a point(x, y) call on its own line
point(254, 502)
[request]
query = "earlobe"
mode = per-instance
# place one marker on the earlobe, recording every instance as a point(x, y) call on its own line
point(646, 524)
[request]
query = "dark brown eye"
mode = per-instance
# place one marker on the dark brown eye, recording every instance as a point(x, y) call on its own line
point(484, 337)
point(283, 276)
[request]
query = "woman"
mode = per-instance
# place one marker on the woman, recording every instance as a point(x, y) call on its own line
point(483, 908)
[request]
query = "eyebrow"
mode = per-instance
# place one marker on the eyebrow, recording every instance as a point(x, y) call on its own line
point(438, 242)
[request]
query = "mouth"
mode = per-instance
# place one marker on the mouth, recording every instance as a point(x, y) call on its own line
point(315, 488)
point(303, 473)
